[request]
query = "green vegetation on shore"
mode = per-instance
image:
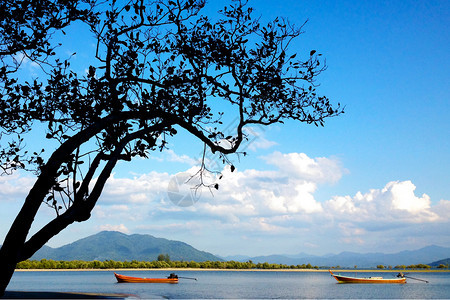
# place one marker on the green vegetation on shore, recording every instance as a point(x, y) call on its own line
point(158, 264)
point(163, 263)
point(413, 267)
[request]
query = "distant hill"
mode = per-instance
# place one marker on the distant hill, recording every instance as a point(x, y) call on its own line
point(120, 247)
point(112, 245)
point(445, 261)
point(236, 257)
point(350, 259)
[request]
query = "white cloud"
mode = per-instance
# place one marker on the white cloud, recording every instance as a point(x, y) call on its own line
point(304, 200)
point(278, 206)
point(267, 193)
point(242, 198)
point(120, 208)
point(393, 203)
point(256, 205)
point(164, 228)
point(173, 157)
point(442, 209)
point(282, 198)
point(299, 199)
point(15, 186)
point(142, 189)
point(256, 139)
point(403, 198)
point(349, 229)
point(299, 165)
point(108, 227)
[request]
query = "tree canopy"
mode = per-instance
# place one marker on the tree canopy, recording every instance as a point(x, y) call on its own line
point(158, 67)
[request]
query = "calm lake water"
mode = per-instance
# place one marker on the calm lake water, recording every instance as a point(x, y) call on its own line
point(235, 285)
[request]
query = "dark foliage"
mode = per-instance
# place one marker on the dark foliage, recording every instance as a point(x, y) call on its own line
point(155, 264)
point(159, 67)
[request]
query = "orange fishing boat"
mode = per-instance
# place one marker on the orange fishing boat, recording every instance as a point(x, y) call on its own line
point(123, 278)
point(349, 279)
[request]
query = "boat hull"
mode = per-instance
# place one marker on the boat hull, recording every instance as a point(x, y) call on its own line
point(130, 279)
point(349, 279)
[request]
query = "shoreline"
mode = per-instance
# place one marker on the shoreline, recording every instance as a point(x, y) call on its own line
point(233, 270)
point(65, 295)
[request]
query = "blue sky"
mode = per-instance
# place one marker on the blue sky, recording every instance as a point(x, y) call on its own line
point(373, 179)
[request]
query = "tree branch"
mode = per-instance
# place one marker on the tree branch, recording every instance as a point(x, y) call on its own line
point(81, 209)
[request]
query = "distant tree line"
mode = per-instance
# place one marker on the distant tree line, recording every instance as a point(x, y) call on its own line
point(412, 267)
point(162, 262)
point(443, 266)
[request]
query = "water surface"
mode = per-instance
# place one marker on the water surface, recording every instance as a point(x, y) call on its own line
point(234, 285)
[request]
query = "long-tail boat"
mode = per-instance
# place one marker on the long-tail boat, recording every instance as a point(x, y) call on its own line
point(124, 278)
point(349, 279)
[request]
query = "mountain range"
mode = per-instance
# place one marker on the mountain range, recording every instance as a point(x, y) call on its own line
point(440, 262)
point(111, 245)
point(428, 255)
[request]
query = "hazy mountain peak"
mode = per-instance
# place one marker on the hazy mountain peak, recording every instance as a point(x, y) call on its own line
point(119, 246)
point(145, 247)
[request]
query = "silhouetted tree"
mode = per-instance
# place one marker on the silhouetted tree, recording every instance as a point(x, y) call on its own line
point(159, 67)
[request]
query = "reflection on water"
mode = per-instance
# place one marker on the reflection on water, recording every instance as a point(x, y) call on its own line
point(233, 284)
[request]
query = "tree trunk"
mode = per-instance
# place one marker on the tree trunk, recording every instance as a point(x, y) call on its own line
point(13, 244)
point(17, 235)
point(15, 247)
point(7, 265)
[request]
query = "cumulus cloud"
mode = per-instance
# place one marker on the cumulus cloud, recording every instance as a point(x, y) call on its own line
point(15, 186)
point(123, 212)
point(287, 191)
point(144, 189)
point(299, 165)
point(401, 194)
point(243, 196)
point(256, 139)
point(395, 202)
point(108, 227)
point(255, 204)
point(173, 157)
point(192, 226)
point(298, 199)
point(442, 208)
point(260, 204)
point(265, 193)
